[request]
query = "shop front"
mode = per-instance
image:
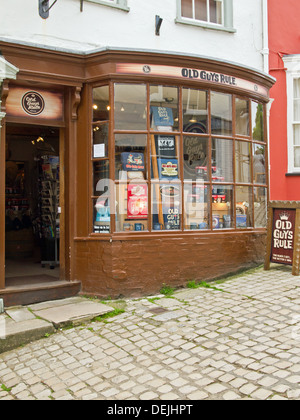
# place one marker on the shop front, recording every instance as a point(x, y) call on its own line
point(164, 163)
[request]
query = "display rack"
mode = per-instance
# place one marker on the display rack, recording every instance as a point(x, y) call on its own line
point(49, 214)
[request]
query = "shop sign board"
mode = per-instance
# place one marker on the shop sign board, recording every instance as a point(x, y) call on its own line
point(197, 75)
point(284, 235)
point(32, 103)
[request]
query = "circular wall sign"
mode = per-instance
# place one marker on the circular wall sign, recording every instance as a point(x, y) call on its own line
point(33, 103)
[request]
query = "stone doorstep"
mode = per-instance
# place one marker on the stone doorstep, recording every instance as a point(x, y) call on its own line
point(72, 312)
point(14, 334)
point(19, 325)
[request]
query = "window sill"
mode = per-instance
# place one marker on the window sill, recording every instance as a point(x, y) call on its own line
point(292, 174)
point(108, 4)
point(205, 25)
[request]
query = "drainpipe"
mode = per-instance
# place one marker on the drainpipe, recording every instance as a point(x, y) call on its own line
point(265, 54)
point(265, 41)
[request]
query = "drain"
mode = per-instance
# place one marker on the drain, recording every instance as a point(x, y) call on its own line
point(158, 310)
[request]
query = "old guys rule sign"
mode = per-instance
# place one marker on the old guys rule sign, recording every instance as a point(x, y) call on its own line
point(283, 236)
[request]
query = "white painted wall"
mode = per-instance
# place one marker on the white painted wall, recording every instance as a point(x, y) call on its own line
point(100, 26)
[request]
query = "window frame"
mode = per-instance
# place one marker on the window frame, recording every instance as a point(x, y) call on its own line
point(117, 4)
point(182, 182)
point(292, 65)
point(226, 26)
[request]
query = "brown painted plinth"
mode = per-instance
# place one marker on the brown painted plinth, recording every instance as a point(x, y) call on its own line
point(36, 290)
point(137, 267)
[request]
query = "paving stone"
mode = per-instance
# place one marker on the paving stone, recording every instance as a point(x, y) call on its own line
point(207, 344)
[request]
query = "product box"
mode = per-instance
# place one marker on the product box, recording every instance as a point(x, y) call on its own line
point(241, 220)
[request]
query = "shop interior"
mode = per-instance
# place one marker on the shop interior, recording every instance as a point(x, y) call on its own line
point(32, 208)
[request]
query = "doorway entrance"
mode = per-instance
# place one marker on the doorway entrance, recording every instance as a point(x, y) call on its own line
point(32, 204)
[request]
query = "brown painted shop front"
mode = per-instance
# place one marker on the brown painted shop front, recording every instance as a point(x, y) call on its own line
point(132, 170)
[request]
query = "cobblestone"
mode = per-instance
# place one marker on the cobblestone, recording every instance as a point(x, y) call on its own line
point(239, 340)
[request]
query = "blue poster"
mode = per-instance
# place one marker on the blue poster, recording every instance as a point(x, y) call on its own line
point(132, 161)
point(167, 168)
point(162, 116)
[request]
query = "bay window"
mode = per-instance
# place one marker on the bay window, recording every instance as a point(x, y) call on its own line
point(176, 159)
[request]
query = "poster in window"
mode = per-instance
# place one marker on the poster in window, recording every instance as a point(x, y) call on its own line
point(167, 169)
point(162, 116)
point(132, 161)
point(165, 146)
point(137, 201)
point(170, 197)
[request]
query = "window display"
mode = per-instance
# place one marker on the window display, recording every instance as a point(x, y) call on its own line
point(100, 160)
point(194, 110)
point(242, 117)
point(259, 164)
point(164, 108)
point(176, 171)
point(244, 207)
point(221, 114)
point(243, 161)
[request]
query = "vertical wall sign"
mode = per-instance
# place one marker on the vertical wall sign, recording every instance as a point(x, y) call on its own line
point(283, 245)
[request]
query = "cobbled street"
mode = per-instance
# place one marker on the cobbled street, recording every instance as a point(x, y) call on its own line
point(237, 339)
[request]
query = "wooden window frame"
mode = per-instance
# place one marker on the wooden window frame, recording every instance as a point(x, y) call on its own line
point(150, 233)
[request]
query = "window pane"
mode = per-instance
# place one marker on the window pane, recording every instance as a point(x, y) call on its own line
point(297, 157)
point(242, 117)
point(100, 140)
point(296, 100)
point(166, 206)
point(101, 103)
point(296, 110)
point(221, 113)
point(196, 206)
point(260, 207)
point(130, 107)
point(222, 160)
point(132, 207)
point(164, 157)
point(101, 205)
point(130, 156)
point(215, 10)
point(101, 177)
point(242, 161)
point(243, 207)
point(296, 135)
point(195, 158)
point(194, 103)
point(257, 122)
point(259, 164)
point(164, 108)
point(201, 10)
point(187, 8)
point(222, 206)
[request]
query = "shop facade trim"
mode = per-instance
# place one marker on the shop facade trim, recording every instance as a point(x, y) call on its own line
point(124, 263)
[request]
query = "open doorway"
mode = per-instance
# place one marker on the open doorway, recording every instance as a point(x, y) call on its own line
point(32, 204)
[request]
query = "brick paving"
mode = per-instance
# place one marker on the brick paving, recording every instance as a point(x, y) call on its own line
point(239, 339)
